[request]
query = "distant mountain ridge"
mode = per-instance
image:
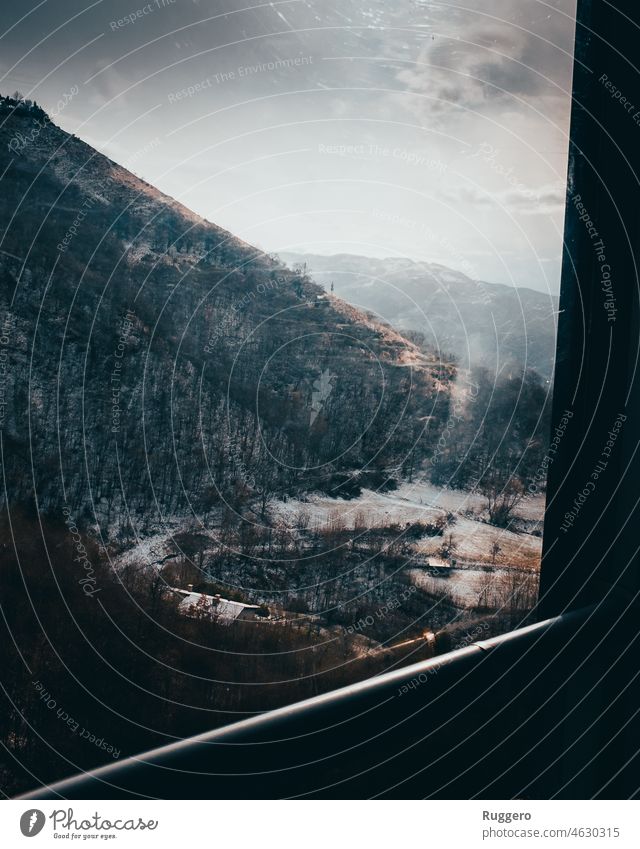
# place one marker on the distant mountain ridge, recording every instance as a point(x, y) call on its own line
point(480, 323)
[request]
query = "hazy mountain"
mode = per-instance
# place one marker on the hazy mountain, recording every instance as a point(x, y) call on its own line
point(152, 363)
point(481, 323)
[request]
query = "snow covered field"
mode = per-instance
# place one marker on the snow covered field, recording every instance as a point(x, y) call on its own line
point(485, 558)
point(414, 502)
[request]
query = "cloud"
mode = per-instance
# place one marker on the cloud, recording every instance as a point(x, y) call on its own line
point(491, 54)
point(543, 200)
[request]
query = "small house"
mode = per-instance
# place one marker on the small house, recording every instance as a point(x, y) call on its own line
point(200, 605)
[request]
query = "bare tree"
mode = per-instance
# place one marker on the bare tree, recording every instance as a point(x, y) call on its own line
point(502, 497)
point(487, 591)
point(496, 550)
point(449, 546)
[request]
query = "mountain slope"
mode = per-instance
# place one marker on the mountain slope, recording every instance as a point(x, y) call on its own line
point(153, 363)
point(481, 323)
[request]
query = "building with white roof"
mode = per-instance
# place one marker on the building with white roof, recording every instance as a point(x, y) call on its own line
point(219, 609)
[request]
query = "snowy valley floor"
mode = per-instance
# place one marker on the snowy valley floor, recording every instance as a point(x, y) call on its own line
point(483, 560)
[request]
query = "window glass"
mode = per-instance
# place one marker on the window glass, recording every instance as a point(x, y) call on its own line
point(279, 302)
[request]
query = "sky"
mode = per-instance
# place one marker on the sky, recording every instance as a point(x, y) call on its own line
point(432, 130)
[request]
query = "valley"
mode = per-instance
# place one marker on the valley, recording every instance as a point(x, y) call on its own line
point(243, 487)
point(336, 562)
point(224, 419)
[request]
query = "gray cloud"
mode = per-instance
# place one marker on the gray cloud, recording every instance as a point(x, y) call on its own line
point(490, 53)
point(543, 200)
point(479, 87)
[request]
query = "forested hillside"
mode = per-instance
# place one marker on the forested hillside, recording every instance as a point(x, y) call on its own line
point(155, 364)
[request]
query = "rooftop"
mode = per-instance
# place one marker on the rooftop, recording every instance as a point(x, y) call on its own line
point(216, 606)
